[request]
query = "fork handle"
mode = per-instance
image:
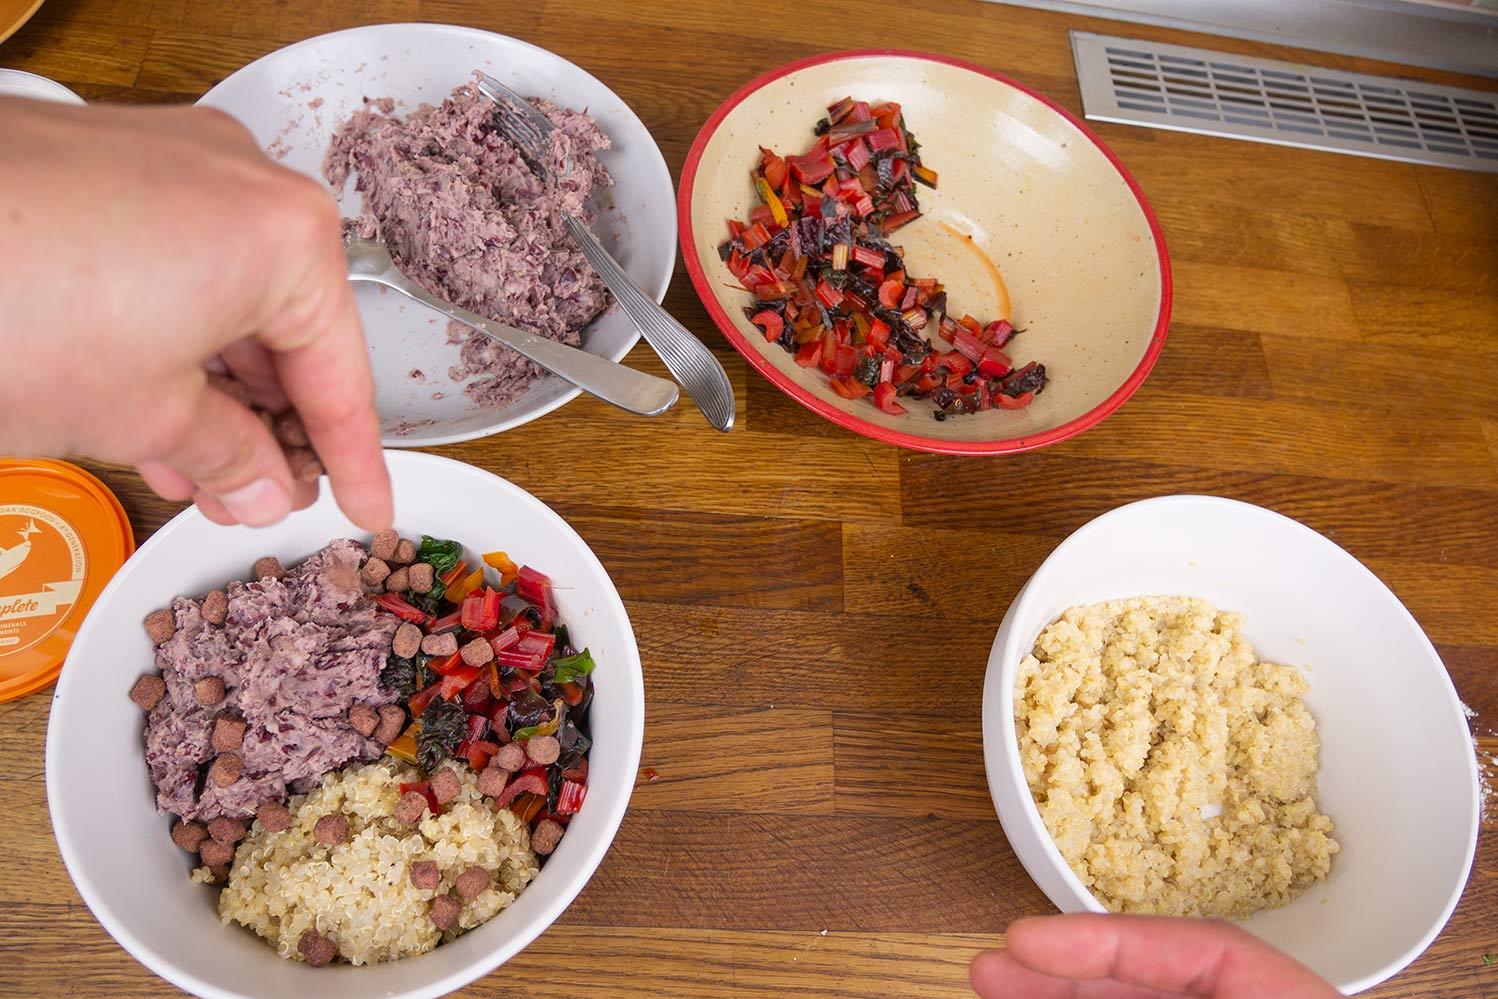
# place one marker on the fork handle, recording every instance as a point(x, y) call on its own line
point(693, 365)
point(631, 390)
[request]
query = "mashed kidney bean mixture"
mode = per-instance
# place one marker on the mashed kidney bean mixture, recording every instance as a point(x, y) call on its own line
point(468, 220)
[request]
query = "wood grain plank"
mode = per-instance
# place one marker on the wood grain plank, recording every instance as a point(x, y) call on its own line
point(979, 572)
point(1453, 603)
point(716, 870)
point(911, 765)
point(1427, 318)
point(769, 474)
point(188, 62)
point(795, 659)
point(23, 733)
point(1291, 303)
point(1371, 520)
point(75, 53)
point(1290, 437)
point(1472, 668)
point(745, 561)
point(708, 964)
point(278, 19)
point(1212, 361)
point(734, 759)
point(1389, 380)
point(1461, 205)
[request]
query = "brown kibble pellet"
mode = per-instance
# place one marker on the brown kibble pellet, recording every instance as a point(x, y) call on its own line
point(445, 785)
point(274, 817)
point(546, 836)
point(374, 572)
point(216, 607)
point(268, 568)
point(405, 552)
point(228, 734)
point(399, 581)
point(472, 882)
point(331, 830)
point(189, 835)
point(445, 911)
point(226, 770)
point(411, 807)
point(444, 644)
point(316, 949)
point(544, 750)
point(382, 545)
point(392, 724)
point(161, 625)
point(210, 691)
point(425, 874)
point(492, 780)
point(219, 873)
point(478, 652)
point(420, 577)
point(511, 757)
point(364, 718)
point(148, 691)
point(407, 640)
point(290, 430)
point(306, 466)
point(226, 830)
point(214, 852)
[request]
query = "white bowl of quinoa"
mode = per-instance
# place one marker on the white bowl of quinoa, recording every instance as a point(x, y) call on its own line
point(1199, 707)
point(384, 118)
point(207, 940)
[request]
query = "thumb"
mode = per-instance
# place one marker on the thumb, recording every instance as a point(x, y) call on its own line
point(230, 456)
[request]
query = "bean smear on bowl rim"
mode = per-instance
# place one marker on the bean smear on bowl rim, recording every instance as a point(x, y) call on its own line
point(832, 289)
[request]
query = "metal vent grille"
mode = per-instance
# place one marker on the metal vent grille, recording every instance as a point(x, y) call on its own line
point(1213, 93)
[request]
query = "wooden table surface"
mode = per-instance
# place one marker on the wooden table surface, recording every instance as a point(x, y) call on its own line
point(821, 824)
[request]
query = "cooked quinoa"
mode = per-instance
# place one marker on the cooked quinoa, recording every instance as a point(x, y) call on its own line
point(1175, 772)
point(359, 893)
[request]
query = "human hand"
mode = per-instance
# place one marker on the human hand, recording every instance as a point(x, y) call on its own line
point(138, 246)
point(1090, 956)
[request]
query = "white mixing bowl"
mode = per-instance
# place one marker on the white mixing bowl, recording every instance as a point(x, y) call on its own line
point(117, 848)
point(1398, 774)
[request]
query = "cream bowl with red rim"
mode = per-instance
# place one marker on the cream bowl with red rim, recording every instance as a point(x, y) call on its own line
point(1029, 206)
point(119, 851)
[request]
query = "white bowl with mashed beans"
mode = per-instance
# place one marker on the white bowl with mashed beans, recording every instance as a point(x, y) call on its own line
point(115, 844)
point(429, 391)
point(1397, 777)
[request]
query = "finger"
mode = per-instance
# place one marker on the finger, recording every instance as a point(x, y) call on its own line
point(214, 510)
point(303, 495)
point(230, 455)
point(323, 364)
point(166, 482)
point(251, 363)
point(997, 975)
point(1191, 957)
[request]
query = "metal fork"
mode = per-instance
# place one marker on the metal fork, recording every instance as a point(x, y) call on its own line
point(692, 364)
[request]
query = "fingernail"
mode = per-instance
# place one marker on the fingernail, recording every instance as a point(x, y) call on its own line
point(259, 504)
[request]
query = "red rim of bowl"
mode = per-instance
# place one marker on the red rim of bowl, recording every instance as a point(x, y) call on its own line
point(858, 425)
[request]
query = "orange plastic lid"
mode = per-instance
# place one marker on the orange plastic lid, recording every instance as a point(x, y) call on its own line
point(63, 535)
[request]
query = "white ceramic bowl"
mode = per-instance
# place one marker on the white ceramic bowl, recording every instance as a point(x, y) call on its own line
point(294, 98)
point(117, 848)
point(1398, 775)
point(19, 83)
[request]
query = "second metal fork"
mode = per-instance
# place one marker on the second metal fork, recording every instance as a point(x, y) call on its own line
point(688, 360)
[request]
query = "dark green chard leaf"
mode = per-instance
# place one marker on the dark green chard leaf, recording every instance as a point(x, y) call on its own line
point(573, 669)
point(407, 676)
point(443, 725)
point(439, 554)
